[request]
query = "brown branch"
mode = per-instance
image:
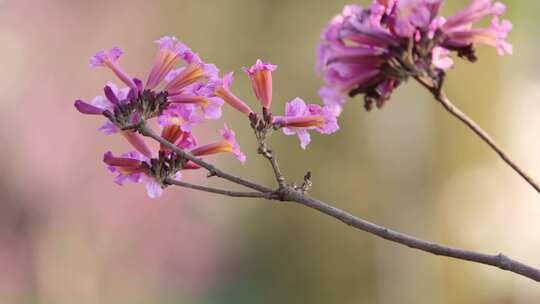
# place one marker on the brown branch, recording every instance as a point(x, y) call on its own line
point(272, 159)
point(499, 260)
point(288, 194)
point(456, 112)
point(266, 195)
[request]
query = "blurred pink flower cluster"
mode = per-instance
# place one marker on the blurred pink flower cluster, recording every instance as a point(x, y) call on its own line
point(372, 51)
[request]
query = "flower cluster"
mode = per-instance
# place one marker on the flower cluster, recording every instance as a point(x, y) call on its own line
point(181, 98)
point(372, 51)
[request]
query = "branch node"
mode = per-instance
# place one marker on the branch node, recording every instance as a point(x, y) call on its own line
point(283, 193)
point(505, 262)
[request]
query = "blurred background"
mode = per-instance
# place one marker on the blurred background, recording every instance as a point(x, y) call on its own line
point(68, 234)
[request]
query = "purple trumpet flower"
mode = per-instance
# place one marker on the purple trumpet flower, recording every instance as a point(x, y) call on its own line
point(372, 50)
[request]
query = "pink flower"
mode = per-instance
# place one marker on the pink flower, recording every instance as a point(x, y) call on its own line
point(412, 17)
point(88, 108)
point(230, 137)
point(109, 59)
point(211, 106)
point(187, 141)
point(133, 167)
point(99, 105)
point(300, 118)
point(261, 81)
point(195, 72)
point(130, 166)
point(494, 36)
point(476, 11)
point(460, 34)
point(353, 51)
point(183, 115)
point(169, 54)
point(222, 89)
point(203, 97)
point(175, 135)
point(372, 51)
point(228, 144)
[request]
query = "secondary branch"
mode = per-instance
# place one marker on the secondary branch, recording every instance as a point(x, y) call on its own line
point(471, 124)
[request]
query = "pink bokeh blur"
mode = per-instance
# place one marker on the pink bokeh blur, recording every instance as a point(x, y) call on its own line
point(68, 226)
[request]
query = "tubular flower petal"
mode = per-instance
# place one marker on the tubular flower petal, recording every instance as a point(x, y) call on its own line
point(299, 118)
point(130, 166)
point(494, 36)
point(261, 81)
point(108, 128)
point(86, 108)
point(169, 54)
point(183, 115)
point(171, 133)
point(180, 79)
point(175, 135)
point(99, 106)
point(476, 11)
point(221, 89)
point(228, 144)
point(187, 141)
point(109, 59)
point(138, 143)
point(134, 167)
point(210, 105)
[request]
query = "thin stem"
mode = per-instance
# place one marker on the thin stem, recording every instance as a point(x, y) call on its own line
point(272, 158)
point(277, 171)
point(148, 132)
point(263, 128)
point(456, 112)
point(267, 195)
